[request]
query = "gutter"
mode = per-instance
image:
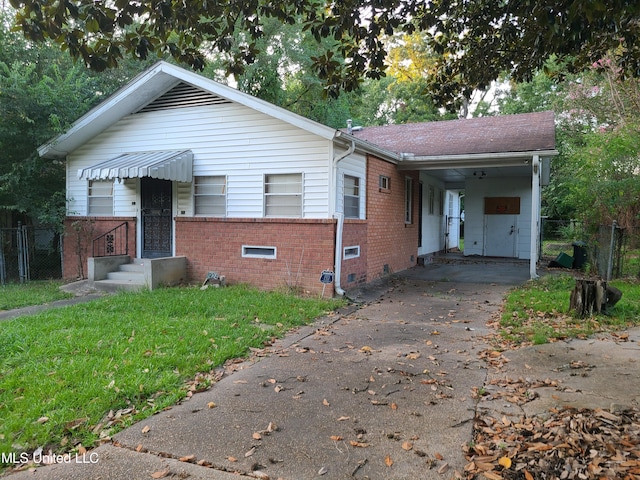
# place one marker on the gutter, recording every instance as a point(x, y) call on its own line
point(340, 224)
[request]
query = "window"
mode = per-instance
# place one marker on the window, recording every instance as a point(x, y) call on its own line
point(432, 200)
point(408, 200)
point(100, 198)
point(351, 197)
point(351, 252)
point(252, 251)
point(283, 195)
point(210, 196)
point(384, 182)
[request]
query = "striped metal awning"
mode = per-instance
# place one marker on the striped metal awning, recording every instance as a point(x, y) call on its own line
point(176, 165)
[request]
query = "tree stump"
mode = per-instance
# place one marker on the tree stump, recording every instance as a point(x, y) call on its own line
point(592, 296)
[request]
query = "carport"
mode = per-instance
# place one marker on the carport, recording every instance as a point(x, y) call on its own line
point(500, 163)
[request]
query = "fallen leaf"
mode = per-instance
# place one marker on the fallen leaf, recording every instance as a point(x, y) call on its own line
point(146, 429)
point(407, 446)
point(394, 406)
point(211, 405)
point(232, 459)
point(187, 458)
point(42, 420)
point(256, 436)
point(505, 462)
point(250, 452)
point(527, 475)
point(366, 349)
point(335, 438)
point(387, 461)
point(358, 444)
point(323, 471)
point(325, 402)
point(343, 418)
point(438, 456)
point(160, 474)
point(443, 468)
point(492, 476)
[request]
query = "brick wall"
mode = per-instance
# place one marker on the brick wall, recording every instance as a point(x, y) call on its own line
point(354, 270)
point(305, 248)
point(390, 241)
point(79, 233)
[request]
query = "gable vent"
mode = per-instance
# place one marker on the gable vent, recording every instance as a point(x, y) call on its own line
point(181, 96)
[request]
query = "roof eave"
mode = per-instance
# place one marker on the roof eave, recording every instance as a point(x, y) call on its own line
point(368, 147)
point(497, 159)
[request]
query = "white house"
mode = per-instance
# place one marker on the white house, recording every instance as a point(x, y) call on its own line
point(177, 166)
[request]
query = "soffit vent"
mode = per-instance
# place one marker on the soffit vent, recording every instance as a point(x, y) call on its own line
point(181, 96)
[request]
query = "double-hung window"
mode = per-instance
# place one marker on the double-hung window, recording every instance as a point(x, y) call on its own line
point(210, 196)
point(100, 198)
point(283, 195)
point(351, 197)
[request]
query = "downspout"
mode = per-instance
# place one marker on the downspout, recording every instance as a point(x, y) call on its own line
point(339, 224)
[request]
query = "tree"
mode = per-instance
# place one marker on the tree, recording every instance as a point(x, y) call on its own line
point(476, 40)
point(41, 92)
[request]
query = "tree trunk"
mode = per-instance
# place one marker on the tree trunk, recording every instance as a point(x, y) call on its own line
point(588, 297)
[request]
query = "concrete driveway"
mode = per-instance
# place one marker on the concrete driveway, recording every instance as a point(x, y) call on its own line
point(385, 390)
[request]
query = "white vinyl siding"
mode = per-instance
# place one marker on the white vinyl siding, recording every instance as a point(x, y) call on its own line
point(100, 198)
point(226, 140)
point(283, 195)
point(210, 196)
point(354, 166)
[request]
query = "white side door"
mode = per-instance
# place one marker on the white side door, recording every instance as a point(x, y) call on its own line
point(500, 235)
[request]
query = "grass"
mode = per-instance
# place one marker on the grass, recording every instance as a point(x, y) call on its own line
point(17, 295)
point(64, 370)
point(539, 312)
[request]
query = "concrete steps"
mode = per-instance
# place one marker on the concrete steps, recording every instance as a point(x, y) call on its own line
point(129, 276)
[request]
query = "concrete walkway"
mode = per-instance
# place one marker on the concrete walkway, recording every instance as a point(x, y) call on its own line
point(383, 391)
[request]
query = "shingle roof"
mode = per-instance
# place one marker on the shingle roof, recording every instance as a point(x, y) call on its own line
point(505, 133)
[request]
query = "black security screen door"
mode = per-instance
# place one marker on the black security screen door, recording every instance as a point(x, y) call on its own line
point(156, 217)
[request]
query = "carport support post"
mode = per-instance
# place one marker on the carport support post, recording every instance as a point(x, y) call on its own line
point(535, 215)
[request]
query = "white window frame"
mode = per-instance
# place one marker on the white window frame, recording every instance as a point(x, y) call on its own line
point(384, 182)
point(91, 186)
point(212, 182)
point(246, 251)
point(408, 200)
point(352, 251)
point(356, 195)
point(269, 196)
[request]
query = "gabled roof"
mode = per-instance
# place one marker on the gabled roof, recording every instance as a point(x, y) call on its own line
point(150, 85)
point(528, 132)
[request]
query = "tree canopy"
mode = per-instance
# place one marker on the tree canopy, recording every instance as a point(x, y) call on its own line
point(476, 40)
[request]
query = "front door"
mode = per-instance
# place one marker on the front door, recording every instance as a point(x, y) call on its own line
point(501, 234)
point(156, 217)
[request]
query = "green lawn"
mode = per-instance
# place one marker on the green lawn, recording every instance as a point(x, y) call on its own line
point(539, 312)
point(17, 295)
point(64, 370)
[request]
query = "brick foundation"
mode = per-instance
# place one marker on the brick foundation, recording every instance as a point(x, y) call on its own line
point(305, 248)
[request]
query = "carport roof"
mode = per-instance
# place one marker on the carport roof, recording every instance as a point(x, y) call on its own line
point(528, 132)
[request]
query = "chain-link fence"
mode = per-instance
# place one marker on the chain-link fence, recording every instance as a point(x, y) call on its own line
point(30, 253)
point(610, 251)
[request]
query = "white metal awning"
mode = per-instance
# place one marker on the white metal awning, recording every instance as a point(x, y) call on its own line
point(176, 165)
